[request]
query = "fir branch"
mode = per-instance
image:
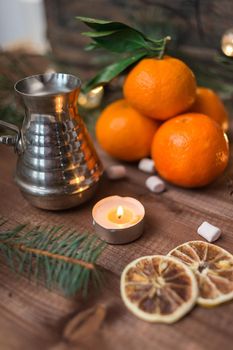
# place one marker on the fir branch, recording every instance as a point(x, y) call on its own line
point(63, 257)
point(41, 252)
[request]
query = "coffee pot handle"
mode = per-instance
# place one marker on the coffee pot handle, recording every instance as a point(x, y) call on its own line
point(11, 140)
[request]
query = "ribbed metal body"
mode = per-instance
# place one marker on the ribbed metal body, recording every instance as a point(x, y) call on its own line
point(57, 167)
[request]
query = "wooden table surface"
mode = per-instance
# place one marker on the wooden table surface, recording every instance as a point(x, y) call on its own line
point(31, 317)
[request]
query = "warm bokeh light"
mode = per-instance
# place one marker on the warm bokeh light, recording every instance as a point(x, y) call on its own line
point(59, 103)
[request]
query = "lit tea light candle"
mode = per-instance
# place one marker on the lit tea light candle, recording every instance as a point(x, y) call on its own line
point(120, 215)
point(118, 220)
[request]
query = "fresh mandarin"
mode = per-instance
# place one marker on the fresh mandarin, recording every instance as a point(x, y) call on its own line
point(160, 88)
point(125, 133)
point(209, 103)
point(190, 150)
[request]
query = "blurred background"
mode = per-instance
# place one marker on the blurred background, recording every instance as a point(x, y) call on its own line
point(22, 24)
point(43, 35)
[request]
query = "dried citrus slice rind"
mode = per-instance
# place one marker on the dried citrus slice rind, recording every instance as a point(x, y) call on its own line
point(213, 268)
point(158, 288)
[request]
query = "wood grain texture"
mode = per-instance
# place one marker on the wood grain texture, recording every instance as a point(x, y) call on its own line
point(32, 317)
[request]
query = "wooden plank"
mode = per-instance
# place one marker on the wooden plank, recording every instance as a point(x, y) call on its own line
point(38, 317)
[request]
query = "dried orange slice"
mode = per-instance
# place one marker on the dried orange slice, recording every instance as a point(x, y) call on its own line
point(213, 268)
point(158, 288)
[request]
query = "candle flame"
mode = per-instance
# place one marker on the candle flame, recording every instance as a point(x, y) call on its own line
point(120, 211)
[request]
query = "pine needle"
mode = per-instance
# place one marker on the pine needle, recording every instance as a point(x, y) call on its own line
point(63, 257)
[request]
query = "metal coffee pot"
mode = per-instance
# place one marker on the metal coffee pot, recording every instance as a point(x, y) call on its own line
point(57, 166)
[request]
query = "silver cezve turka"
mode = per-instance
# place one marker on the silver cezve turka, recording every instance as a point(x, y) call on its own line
point(57, 166)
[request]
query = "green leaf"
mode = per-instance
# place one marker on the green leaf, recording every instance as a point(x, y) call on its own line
point(118, 34)
point(111, 71)
point(119, 38)
point(92, 46)
point(101, 25)
point(122, 41)
point(98, 34)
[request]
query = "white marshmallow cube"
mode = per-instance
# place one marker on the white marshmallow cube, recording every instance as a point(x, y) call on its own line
point(155, 184)
point(210, 232)
point(116, 172)
point(146, 165)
